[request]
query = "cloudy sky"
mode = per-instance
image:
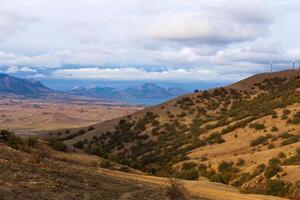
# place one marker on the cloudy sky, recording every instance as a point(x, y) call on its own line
point(155, 40)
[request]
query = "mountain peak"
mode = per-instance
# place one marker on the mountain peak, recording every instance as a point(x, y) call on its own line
point(10, 85)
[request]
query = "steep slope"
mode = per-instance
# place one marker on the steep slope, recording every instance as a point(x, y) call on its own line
point(244, 135)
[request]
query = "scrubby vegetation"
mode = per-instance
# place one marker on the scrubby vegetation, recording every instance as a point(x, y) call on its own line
point(16, 142)
point(57, 144)
point(176, 190)
point(261, 140)
point(155, 141)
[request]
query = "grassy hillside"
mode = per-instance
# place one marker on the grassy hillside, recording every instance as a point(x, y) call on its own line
point(37, 169)
point(246, 135)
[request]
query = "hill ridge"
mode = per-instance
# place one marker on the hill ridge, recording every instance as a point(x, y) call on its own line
point(201, 133)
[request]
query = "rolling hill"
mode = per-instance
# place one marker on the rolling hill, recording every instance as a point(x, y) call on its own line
point(37, 169)
point(246, 135)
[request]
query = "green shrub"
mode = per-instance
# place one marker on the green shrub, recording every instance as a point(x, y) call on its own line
point(221, 177)
point(5, 135)
point(274, 115)
point(290, 140)
point(124, 169)
point(225, 166)
point(296, 118)
point(242, 179)
point(286, 135)
point(276, 187)
point(57, 144)
point(31, 141)
point(176, 190)
point(261, 140)
point(106, 164)
point(281, 155)
point(11, 139)
point(240, 162)
point(258, 170)
point(274, 161)
point(215, 138)
point(90, 128)
point(293, 160)
point(191, 174)
point(257, 126)
point(188, 165)
point(79, 144)
point(216, 178)
point(272, 170)
point(203, 170)
point(274, 129)
point(15, 142)
point(285, 114)
point(271, 146)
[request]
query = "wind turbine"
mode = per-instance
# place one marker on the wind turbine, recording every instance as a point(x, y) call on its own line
point(293, 64)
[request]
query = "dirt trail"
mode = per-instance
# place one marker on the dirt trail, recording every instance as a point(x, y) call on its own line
point(203, 189)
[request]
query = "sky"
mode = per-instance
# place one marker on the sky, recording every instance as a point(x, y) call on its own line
point(147, 40)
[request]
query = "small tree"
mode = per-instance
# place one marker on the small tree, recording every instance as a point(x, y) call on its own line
point(176, 190)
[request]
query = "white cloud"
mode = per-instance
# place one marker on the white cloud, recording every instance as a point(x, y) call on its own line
point(14, 69)
point(131, 73)
point(222, 36)
point(202, 28)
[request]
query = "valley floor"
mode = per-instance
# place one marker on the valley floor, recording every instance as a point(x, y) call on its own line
point(35, 115)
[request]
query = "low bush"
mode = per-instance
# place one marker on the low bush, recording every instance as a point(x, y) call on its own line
point(285, 114)
point(286, 135)
point(261, 140)
point(79, 145)
point(191, 174)
point(176, 190)
point(221, 177)
point(240, 162)
point(124, 169)
point(281, 155)
point(257, 126)
point(272, 170)
point(91, 128)
point(296, 118)
point(57, 144)
point(276, 187)
point(274, 161)
point(15, 142)
point(188, 165)
point(293, 160)
point(258, 170)
point(274, 129)
point(106, 164)
point(271, 146)
point(291, 140)
point(242, 179)
point(31, 141)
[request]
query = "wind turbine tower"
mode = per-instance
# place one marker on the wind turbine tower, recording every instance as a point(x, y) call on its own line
point(293, 64)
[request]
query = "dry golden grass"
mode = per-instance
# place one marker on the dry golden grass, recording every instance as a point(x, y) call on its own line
point(36, 115)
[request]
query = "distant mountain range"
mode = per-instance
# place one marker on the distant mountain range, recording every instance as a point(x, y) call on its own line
point(145, 91)
point(12, 86)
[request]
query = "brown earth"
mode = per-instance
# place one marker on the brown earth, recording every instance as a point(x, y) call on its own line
point(41, 173)
point(35, 115)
